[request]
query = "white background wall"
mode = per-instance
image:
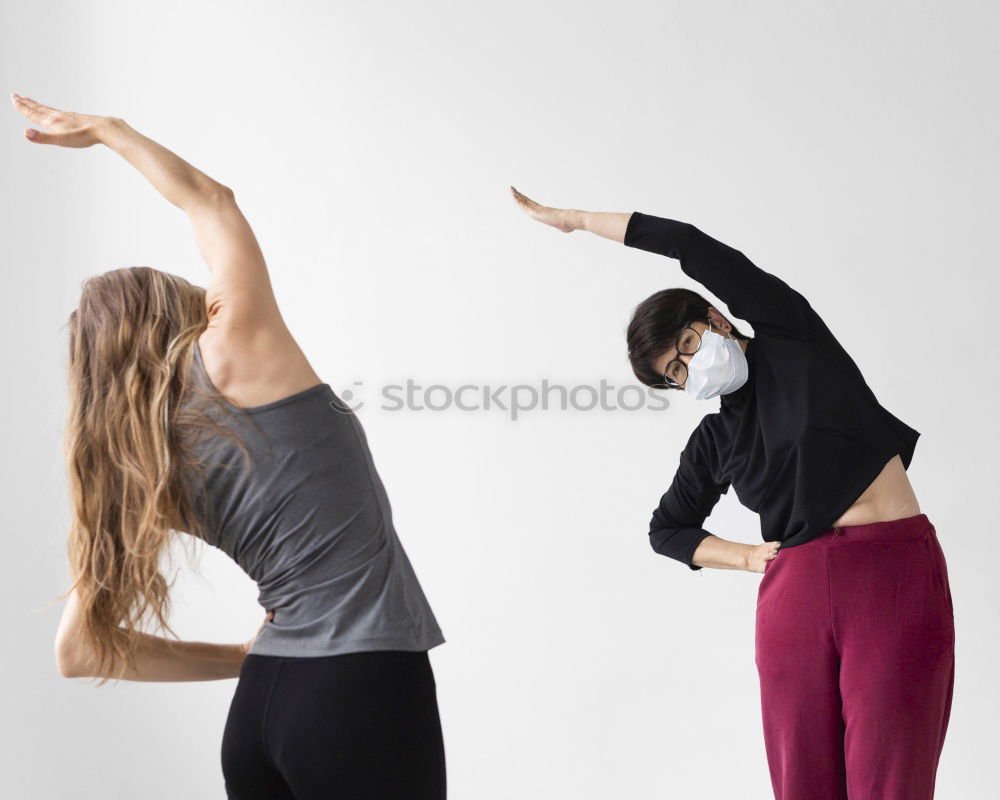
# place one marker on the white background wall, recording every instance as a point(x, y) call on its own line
point(850, 148)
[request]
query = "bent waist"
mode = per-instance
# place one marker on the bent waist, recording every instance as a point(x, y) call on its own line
point(889, 497)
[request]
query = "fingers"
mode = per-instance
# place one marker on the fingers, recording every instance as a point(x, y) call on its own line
point(520, 198)
point(531, 208)
point(524, 200)
point(34, 111)
point(38, 137)
point(38, 114)
point(32, 107)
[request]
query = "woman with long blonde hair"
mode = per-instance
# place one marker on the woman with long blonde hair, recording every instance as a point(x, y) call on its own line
point(193, 410)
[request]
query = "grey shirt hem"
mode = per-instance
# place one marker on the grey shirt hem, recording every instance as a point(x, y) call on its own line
point(355, 645)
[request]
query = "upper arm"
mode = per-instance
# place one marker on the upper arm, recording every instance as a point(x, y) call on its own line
point(676, 526)
point(751, 293)
point(696, 486)
point(239, 295)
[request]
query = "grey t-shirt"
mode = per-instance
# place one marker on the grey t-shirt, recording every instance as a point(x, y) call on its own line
point(310, 522)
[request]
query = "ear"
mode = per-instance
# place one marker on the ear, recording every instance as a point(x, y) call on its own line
point(719, 321)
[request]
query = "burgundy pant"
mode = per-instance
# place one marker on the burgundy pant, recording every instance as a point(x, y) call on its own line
point(855, 648)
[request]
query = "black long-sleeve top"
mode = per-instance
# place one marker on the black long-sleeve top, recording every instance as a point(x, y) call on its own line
point(801, 439)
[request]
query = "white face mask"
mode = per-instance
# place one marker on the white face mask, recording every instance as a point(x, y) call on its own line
point(719, 367)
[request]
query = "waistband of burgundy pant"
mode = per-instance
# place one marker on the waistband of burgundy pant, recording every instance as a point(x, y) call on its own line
point(894, 530)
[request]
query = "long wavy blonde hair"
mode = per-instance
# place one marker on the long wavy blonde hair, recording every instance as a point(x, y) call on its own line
point(133, 418)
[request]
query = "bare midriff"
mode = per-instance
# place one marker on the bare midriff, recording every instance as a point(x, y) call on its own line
point(890, 496)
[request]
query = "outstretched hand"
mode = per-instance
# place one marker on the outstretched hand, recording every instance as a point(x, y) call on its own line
point(65, 128)
point(563, 219)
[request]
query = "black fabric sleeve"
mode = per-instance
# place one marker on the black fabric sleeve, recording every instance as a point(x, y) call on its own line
point(675, 529)
point(762, 299)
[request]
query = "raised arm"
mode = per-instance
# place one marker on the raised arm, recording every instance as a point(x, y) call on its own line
point(759, 297)
point(609, 224)
point(239, 293)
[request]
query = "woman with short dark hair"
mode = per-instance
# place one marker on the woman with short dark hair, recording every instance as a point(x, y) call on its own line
point(855, 625)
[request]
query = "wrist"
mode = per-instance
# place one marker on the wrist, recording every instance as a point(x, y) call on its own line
point(236, 654)
point(575, 218)
point(745, 553)
point(108, 128)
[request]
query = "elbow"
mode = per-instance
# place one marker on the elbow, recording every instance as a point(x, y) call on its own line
point(658, 538)
point(663, 528)
point(64, 665)
point(677, 543)
point(217, 194)
point(210, 197)
point(67, 655)
point(222, 193)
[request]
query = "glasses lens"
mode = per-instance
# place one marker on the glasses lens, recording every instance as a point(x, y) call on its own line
point(688, 342)
point(676, 373)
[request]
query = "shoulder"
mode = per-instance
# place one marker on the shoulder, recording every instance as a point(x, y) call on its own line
point(707, 438)
point(699, 468)
point(255, 366)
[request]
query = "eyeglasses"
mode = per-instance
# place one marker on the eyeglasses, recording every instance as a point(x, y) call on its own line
point(688, 343)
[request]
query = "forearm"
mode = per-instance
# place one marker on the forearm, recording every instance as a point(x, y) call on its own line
point(172, 176)
point(714, 551)
point(161, 659)
point(609, 224)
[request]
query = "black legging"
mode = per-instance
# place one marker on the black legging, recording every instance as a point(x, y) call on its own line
point(363, 726)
